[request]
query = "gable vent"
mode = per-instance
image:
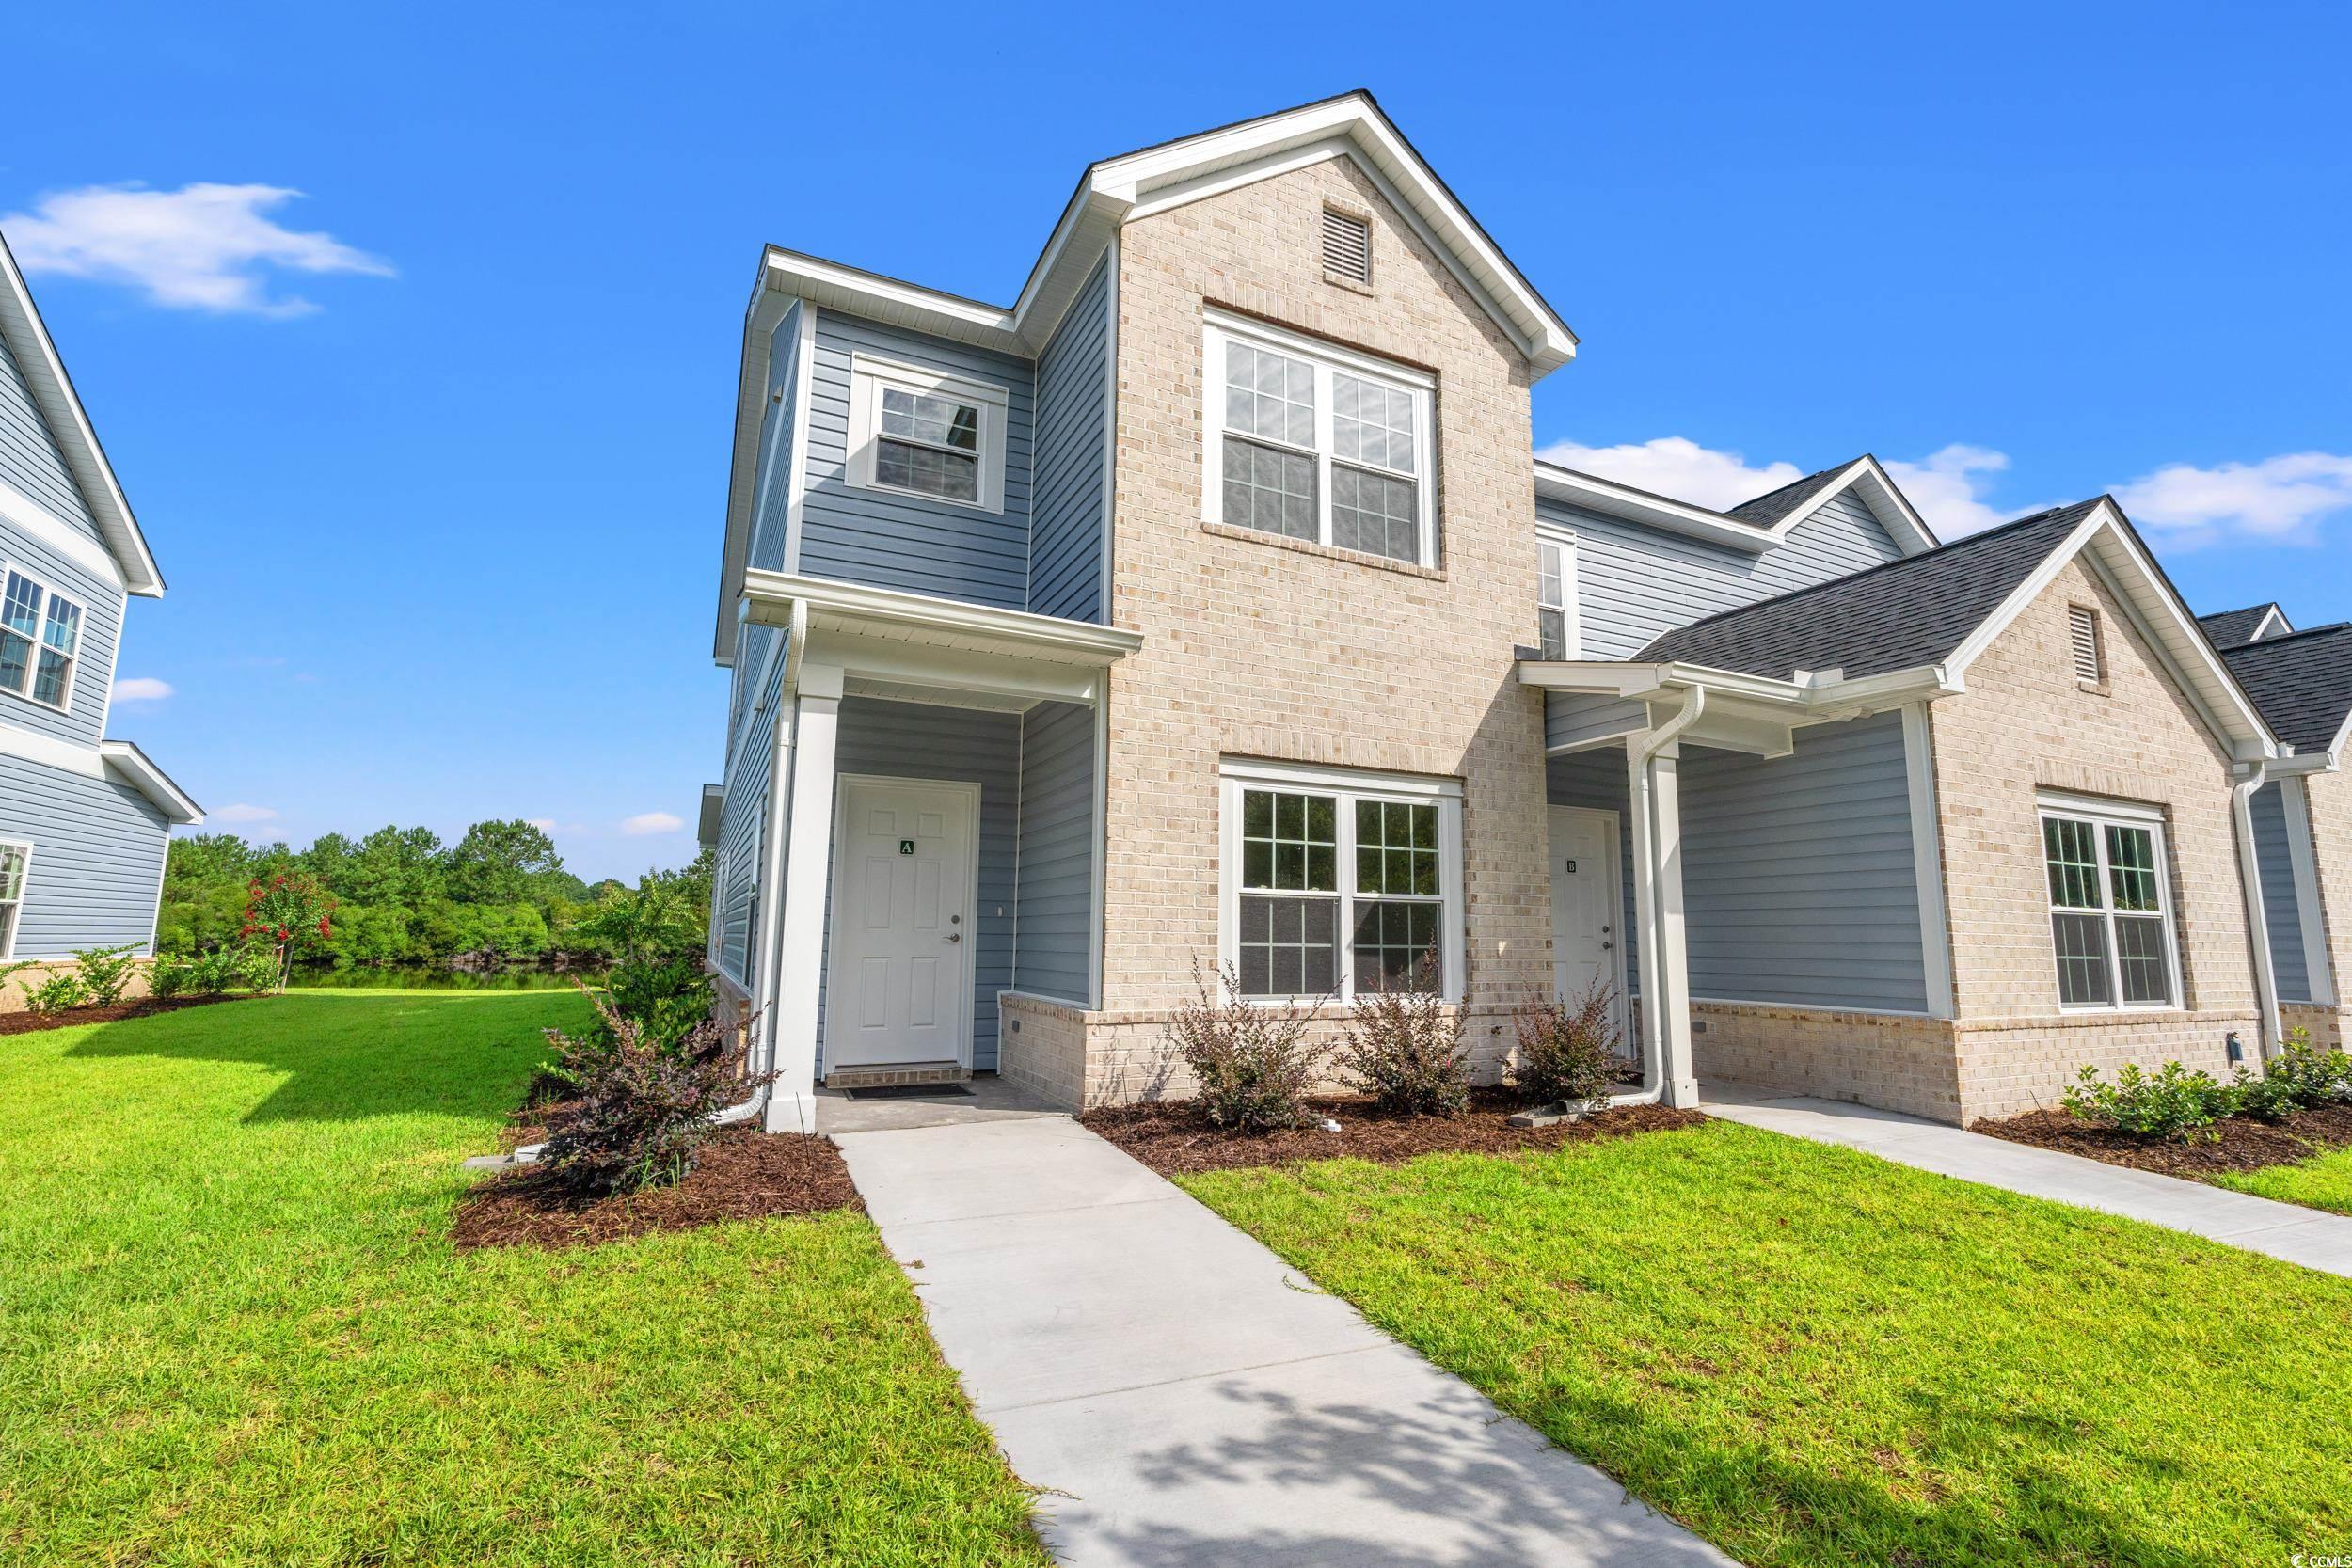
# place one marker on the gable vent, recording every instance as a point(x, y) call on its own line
point(1346, 246)
point(2083, 622)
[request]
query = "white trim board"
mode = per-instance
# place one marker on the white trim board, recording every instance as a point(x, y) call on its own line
point(1863, 476)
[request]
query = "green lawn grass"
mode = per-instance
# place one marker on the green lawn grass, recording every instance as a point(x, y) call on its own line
point(2322, 1182)
point(1811, 1355)
point(232, 1329)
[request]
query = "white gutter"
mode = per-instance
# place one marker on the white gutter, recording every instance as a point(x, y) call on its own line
point(1653, 1087)
point(2258, 925)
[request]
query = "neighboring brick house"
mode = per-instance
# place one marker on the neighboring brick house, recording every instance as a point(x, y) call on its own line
point(2302, 683)
point(1206, 608)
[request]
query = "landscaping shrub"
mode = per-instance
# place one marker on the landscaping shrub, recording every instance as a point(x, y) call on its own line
point(666, 997)
point(1567, 1050)
point(1254, 1063)
point(105, 972)
point(1403, 1048)
point(2299, 1078)
point(2172, 1103)
point(251, 968)
point(57, 990)
point(644, 1111)
point(171, 975)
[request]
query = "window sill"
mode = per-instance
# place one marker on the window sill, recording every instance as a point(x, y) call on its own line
point(1328, 552)
point(2096, 688)
point(1340, 281)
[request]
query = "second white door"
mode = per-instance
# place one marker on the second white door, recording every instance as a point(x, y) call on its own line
point(1587, 906)
point(897, 990)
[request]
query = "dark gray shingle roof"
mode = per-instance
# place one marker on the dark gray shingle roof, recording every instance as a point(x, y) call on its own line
point(1898, 616)
point(2229, 629)
point(1767, 509)
point(2301, 682)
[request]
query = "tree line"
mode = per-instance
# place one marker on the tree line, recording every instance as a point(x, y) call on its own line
point(499, 895)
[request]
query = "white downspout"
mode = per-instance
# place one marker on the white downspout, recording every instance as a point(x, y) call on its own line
point(2258, 934)
point(1653, 1087)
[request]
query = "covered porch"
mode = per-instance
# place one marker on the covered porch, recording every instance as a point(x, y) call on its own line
point(931, 834)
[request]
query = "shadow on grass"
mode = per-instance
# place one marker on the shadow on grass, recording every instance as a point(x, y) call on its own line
point(352, 1054)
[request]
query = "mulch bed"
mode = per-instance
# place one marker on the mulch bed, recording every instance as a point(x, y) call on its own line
point(743, 1174)
point(33, 1023)
point(1172, 1137)
point(2244, 1144)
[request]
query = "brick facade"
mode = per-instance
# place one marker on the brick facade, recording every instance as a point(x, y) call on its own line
point(2026, 724)
point(2328, 796)
point(1897, 1062)
point(1271, 649)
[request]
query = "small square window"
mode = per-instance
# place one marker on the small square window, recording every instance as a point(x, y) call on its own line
point(923, 434)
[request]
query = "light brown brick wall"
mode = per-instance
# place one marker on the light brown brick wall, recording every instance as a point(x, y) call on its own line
point(2026, 724)
point(1255, 648)
point(12, 990)
point(1894, 1063)
point(2330, 799)
point(2330, 1028)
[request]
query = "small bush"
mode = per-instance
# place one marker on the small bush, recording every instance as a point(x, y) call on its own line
point(1405, 1050)
point(60, 990)
point(1254, 1063)
point(666, 997)
point(250, 968)
point(105, 972)
point(642, 1112)
point(1568, 1049)
point(2299, 1078)
point(170, 975)
point(2172, 1103)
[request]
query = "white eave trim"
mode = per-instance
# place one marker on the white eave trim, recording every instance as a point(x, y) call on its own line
point(1863, 476)
point(775, 598)
point(707, 821)
point(44, 375)
point(1734, 696)
point(142, 774)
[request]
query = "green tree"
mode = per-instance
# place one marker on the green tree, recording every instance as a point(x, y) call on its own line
point(494, 862)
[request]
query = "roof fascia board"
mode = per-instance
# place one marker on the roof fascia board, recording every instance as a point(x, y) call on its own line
point(1890, 506)
point(760, 318)
point(1622, 502)
point(2261, 627)
point(774, 594)
point(152, 782)
point(45, 375)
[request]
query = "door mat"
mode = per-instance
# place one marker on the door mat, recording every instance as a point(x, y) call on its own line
point(906, 1091)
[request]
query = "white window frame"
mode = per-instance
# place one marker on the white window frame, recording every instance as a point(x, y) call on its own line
point(1222, 328)
point(40, 626)
point(12, 911)
point(1563, 540)
point(867, 372)
point(2102, 815)
point(1350, 785)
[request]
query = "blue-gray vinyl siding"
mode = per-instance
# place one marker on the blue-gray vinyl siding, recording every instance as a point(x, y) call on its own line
point(97, 859)
point(1633, 582)
point(1056, 881)
point(909, 542)
point(772, 476)
point(1073, 395)
point(742, 819)
point(2283, 911)
point(85, 717)
point(1798, 881)
point(921, 740)
point(1576, 717)
point(29, 458)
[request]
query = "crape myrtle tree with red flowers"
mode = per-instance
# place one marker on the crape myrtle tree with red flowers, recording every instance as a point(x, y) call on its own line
point(288, 910)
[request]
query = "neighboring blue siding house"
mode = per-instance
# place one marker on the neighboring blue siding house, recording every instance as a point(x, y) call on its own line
point(84, 818)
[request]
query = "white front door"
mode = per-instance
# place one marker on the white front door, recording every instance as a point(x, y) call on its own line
point(1587, 906)
point(897, 988)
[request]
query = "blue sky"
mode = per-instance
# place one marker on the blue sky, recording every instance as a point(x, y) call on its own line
point(438, 488)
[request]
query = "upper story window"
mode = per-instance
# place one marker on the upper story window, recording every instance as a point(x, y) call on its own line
point(13, 859)
point(921, 433)
point(2111, 917)
point(1555, 596)
point(1313, 442)
point(41, 636)
point(1341, 883)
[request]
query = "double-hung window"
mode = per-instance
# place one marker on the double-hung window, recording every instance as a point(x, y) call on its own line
point(40, 636)
point(1341, 883)
point(2110, 915)
point(1555, 595)
point(14, 857)
point(923, 433)
point(1314, 442)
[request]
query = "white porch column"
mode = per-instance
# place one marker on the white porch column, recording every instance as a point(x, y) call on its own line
point(791, 1009)
point(1654, 795)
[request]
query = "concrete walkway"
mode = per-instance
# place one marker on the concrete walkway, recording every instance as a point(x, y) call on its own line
point(1186, 1399)
point(2284, 1230)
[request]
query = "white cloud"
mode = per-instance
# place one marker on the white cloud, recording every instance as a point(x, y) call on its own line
point(1676, 468)
point(242, 812)
point(647, 822)
point(544, 824)
point(201, 247)
point(141, 688)
point(2280, 500)
point(1949, 487)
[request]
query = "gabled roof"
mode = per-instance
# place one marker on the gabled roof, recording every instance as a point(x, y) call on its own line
point(2231, 627)
point(1940, 609)
point(1110, 193)
point(1755, 525)
point(69, 425)
point(2302, 683)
